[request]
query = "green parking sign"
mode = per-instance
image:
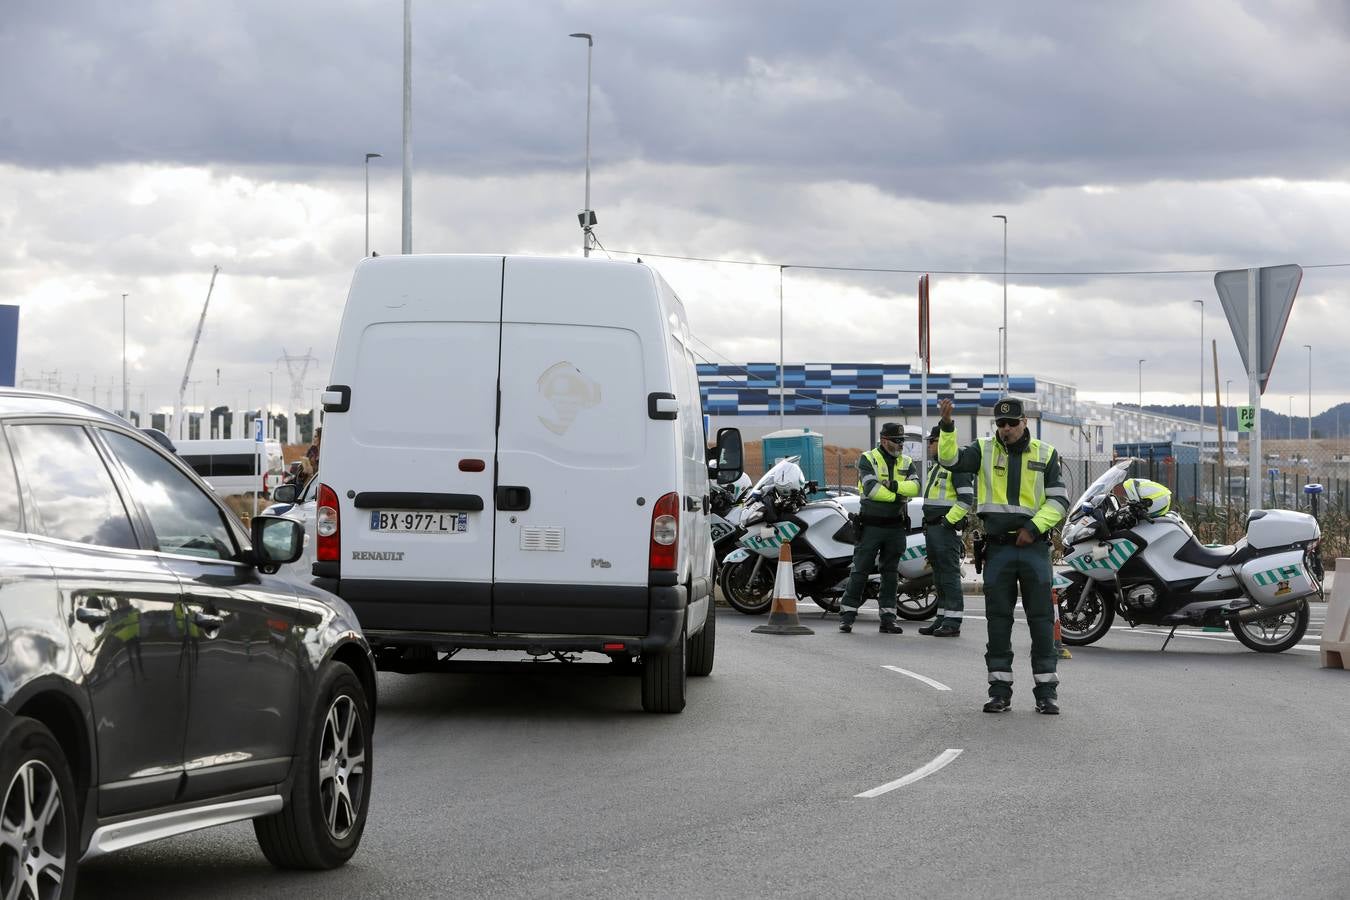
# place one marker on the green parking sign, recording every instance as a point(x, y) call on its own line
point(1246, 418)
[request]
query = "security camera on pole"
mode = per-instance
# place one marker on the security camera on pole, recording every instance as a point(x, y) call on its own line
point(1257, 303)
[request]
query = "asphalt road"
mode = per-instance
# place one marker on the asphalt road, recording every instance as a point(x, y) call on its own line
point(1205, 771)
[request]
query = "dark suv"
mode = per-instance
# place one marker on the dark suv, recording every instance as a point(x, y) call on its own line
point(155, 677)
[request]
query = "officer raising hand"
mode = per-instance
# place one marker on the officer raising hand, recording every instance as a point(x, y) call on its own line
point(1020, 497)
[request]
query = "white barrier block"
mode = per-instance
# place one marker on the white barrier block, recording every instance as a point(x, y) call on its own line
point(1335, 650)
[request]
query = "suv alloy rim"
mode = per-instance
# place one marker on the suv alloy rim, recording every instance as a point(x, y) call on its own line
point(32, 835)
point(342, 767)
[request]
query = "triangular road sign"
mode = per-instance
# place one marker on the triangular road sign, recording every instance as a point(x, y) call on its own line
point(1276, 287)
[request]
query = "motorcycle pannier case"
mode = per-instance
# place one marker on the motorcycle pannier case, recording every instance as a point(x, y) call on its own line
point(1277, 578)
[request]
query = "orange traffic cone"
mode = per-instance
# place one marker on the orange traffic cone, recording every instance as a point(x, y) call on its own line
point(783, 614)
point(1059, 645)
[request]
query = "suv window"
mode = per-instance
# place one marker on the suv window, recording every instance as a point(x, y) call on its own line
point(75, 497)
point(184, 518)
point(10, 517)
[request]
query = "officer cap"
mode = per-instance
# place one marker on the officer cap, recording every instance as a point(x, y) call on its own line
point(892, 430)
point(1008, 408)
point(933, 435)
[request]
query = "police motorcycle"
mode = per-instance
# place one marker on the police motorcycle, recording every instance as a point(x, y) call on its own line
point(725, 509)
point(1153, 571)
point(821, 535)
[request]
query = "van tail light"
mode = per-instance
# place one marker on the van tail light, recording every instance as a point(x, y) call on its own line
point(326, 526)
point(665, 545)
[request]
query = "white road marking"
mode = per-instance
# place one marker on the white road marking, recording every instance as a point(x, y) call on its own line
point(943, 758)
point(924, 678)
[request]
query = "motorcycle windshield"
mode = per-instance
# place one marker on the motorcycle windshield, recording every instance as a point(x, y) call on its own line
point(1100, 489)
point(780, 473)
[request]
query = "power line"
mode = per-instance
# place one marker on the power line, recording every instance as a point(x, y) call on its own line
point(890, 271)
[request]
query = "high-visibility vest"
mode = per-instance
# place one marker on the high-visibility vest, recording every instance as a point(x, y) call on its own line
point(882, 471)
point(940, 489)
point(1143, 489)
point(991, 485)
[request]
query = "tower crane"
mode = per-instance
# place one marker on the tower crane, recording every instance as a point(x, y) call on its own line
point(182, 432)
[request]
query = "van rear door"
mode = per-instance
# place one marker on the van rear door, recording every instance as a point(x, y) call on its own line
point(579, 462)
point(414, 474)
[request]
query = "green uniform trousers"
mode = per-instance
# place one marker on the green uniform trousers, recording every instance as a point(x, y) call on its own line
point(890, 542)
point(944, 556)
point(1007, 569)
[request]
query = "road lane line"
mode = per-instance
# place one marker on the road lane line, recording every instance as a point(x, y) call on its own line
point(943, 758)
point(915, 675)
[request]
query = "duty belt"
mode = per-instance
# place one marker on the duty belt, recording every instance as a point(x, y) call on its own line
point(1006, 539)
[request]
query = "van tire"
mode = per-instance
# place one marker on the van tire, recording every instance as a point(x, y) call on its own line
point(663, 678)
point(703, 645)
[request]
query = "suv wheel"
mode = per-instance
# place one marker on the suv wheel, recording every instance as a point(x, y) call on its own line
point(321, 826)
point(38, 832)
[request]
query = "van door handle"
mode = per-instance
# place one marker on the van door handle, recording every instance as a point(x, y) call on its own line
point(512, 498)
point(692, 504)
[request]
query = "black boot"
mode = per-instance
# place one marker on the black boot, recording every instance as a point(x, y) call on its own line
point(845, 627)
point(931, 626)
point(998, 705)
point(947, 630)
point(1047, 706)
point(890, 626)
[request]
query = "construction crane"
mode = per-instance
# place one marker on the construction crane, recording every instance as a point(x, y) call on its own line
point(182, 432)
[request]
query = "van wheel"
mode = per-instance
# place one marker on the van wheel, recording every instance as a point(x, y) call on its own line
point(321, 825)
point(663, 678)
point(38, 823)
point(703, 645)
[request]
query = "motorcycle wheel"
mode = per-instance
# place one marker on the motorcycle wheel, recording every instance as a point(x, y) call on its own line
point(752, 599)
point(1273, 635)
point(1092, 618)
point(917, 603)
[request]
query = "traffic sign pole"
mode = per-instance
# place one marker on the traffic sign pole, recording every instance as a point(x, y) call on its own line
point(1254, 389)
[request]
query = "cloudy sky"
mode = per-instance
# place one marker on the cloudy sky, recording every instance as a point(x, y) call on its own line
point(142, 143)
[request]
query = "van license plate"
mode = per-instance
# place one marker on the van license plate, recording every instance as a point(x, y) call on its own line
point(419, 522)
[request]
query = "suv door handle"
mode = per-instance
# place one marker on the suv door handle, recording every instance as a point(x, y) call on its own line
point(91, 615)
point(207, 620)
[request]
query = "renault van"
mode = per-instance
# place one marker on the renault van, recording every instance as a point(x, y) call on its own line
point(514, 459)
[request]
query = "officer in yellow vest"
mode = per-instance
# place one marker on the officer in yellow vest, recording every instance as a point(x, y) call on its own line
point(887, 478)
point(1019, 497)
point(947, 497)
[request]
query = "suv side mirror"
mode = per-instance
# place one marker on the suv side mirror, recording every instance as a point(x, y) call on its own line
point(727, 459)
point(277, 540)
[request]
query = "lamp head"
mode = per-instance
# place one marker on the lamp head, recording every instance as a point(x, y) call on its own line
point(370, 156)
point(582, 34)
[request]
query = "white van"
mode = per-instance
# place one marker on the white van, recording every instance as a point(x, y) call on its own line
point(235, 466)
point(514, 459)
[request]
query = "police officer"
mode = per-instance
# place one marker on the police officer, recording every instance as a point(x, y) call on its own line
point(947, 497)
point(886, 479)
point(1019, 498)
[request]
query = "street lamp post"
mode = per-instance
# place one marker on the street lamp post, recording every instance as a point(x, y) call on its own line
point(587, 217)
point(1141, 398)
point(126, 391)
point(781, 383)
point(1003, 346)
point(1308, 347)
point(1202, 375)
point(369, 157)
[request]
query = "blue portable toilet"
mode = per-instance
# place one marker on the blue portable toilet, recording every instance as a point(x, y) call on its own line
point(806, 444)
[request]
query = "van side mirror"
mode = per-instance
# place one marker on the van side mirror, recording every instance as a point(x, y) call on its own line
point(727, 459)
point(285, 493)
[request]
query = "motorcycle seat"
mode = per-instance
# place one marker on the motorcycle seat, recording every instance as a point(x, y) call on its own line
point(1198, 554)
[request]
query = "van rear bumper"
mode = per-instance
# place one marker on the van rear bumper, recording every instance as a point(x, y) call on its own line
point(642, 618)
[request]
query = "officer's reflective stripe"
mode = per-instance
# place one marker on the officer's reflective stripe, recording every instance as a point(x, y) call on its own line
point(1045, 678)
point(1001, 676)
point(953, 614)
point(941, 504)
point(1057, 492)
point(846, 608)
point(1003, 508)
